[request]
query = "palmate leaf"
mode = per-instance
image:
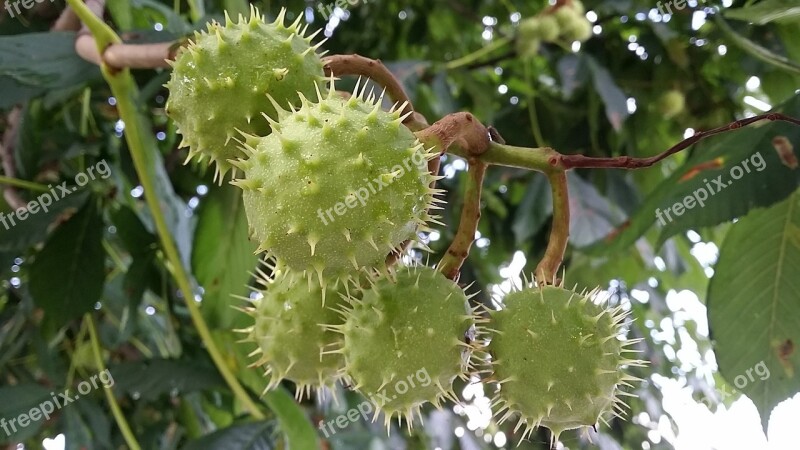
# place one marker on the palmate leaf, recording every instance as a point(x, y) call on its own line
point(716, 157)
point(752, 305)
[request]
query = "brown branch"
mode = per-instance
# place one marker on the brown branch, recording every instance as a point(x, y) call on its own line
point(547, 269)
point(123, 56)
point(132, 56)
point(457, 253)
point(459, 133)
point(566, 162)
point(339, 65)
point(463, 134)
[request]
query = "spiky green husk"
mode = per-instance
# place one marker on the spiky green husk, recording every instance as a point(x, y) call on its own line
point(543, 27)
point(671, 103)
point(573, 24)
point(557, 358)
point(565, 24)
point(220, 83)
point(579, 29)
point(401, 328)
point(548, 28)
point(290, 330)
point(337, 186)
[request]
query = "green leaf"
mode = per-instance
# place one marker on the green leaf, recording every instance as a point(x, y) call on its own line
point(788, 35)
point(93, 415)
point(615, 100)
point(78, 434)
point(756, 50)
point(173, 207)
point(766, 11)
point(137, 277)
point(592, 272)
point(236, 7)
point(23, 234)
point(44, 60)
point(13, 92)
point(146, 12)
point(142, 245)
point(573, 71)
point(223, 256)
point(762, 186)
point(533, 210)
point(152, 378)
point(17, 400)
point(762, 180)
point(293, 420)
point(131, 231)
point(752, 305)
point(122, 13)
point(592, 216)
point(66, 279)
point(251, 436)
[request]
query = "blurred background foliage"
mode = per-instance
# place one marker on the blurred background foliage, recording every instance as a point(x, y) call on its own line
point(96, 251)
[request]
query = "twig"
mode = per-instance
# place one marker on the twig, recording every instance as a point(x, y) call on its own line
point(547, 268)
point(498, 154)
point(510, 54)
point(566, 162)
point(117, 55)
point(16, 182)
point(458, 251)
point(122, 423)
point(127, 56)
point(470, 59)
point(338, 65)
